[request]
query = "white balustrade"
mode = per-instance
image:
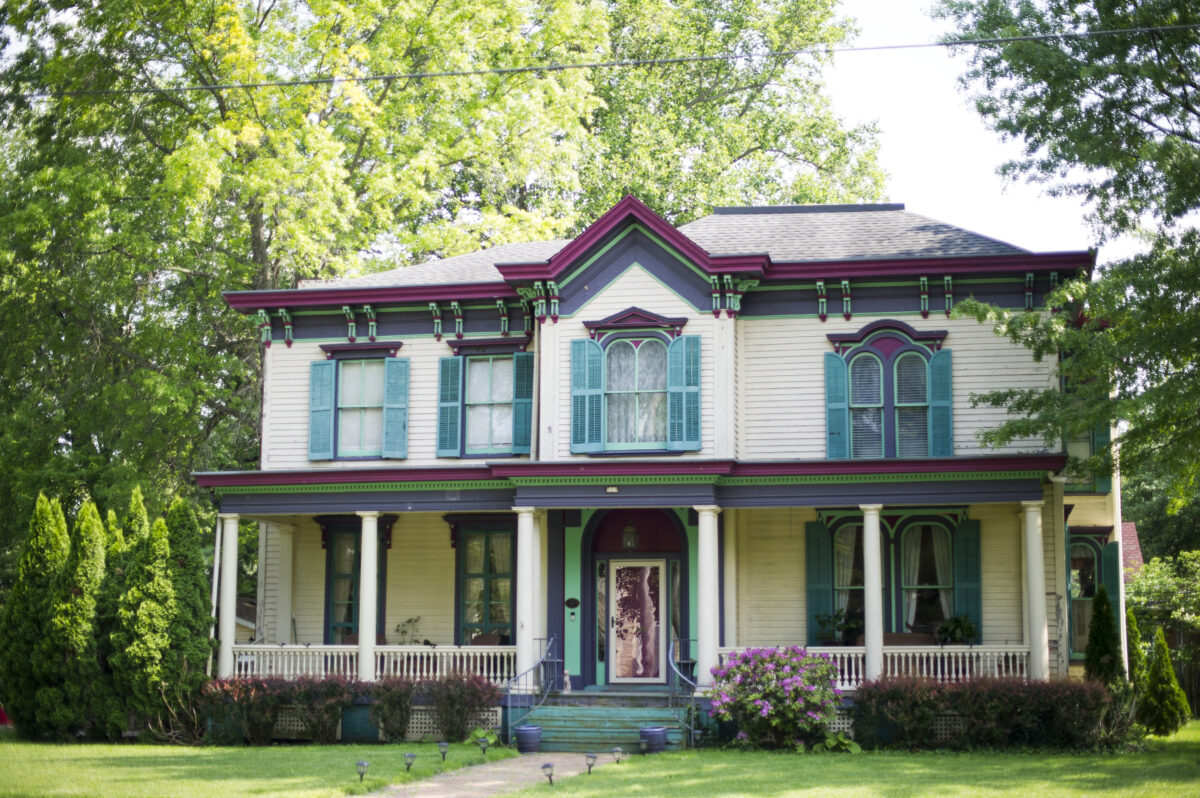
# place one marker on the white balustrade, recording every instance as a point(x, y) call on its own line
point(416, 663)
point(939, 663)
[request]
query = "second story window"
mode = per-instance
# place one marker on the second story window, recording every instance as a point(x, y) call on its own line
point(635, 394)
point(485, 404)
point(360, 408)
point(489, 405)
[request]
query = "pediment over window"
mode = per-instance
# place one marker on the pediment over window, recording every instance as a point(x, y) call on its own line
point(887, 335)
point(634, 318)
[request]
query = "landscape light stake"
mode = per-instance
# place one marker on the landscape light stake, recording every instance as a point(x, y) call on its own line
point(443, 747)
point(408, 761)
point(362, 766)
point(591, 760)
point(483, 744)
point(617, 754)
point(548, 770)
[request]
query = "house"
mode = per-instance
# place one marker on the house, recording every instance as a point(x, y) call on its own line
point(651, 445)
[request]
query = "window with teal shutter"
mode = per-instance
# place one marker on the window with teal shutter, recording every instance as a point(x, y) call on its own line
point(968, 574)
point(587, 396)
point(1100, 441)
point(818, 571)
point(395, 407)
point(1110, 570)
point(837, 408)
point(321, 376)
point(941, 416)
point(450, 378)
point(683, 394)
point(522, 432)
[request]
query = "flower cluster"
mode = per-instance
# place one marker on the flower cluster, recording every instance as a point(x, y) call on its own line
point(777, 696)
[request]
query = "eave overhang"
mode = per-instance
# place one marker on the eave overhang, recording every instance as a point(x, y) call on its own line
point(251, 301)
point(919, 267)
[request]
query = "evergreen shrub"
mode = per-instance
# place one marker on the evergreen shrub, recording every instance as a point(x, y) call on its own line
point(458, 699)
point(1137, 654)
point(1103, 661)
point(1164, 707)
point(778, 697)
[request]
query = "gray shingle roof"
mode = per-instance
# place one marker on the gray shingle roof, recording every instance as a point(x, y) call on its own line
point(837, 232)
point(788, 234)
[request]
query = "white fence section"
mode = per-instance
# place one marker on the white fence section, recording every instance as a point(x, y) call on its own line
point(942, 664)
point(494, 663)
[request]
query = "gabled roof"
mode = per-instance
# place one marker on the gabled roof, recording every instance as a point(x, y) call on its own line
point(473, 267)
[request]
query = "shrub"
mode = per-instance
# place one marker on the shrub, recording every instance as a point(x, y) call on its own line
point(1137, 655)
point(1164, 707)
point(1104, 662)
point(998, 712)
point(777, 696)
point(457, 700)
point(392, 709)
point(1068, 713)
point(319, 704)
point(250, 706)
point(896, 713)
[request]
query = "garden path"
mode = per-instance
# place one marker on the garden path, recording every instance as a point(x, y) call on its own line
point(492, 778)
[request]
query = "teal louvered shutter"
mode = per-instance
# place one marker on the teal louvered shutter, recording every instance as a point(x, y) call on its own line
point(837, 408)
point(450, 376)
point(1110, 571)
point(321, 377)
point(395, 407)
point(683, 394)
point(522, 418)
point(1100, 441)
point(818, 576)
point(587, 396)
point(968, 575)
point(941, 416)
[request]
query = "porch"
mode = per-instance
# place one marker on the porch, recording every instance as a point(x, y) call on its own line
point(415, 663)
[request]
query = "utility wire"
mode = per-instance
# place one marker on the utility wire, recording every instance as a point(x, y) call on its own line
point(620, 64)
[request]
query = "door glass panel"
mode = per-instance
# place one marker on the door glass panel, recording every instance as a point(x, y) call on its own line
point(601, 611)
point(474, 555)
point(501, 559)
point(637, 599)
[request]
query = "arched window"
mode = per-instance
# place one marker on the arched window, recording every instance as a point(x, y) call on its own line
point(912, 406)
point(1084, 574)
point(866, 407)
point(636, 393)
point(928, 577)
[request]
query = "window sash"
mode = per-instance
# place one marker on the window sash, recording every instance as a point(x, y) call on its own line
point(635, 398)
point(360, 387)
point(488, 405)
point(487, 584)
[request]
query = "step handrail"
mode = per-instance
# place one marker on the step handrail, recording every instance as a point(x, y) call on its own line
point(543, 676)
point(683, 687)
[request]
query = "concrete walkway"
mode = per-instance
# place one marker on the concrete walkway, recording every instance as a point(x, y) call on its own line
point(495, 778)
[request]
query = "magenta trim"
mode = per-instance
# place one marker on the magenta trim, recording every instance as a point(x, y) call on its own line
point(375, 295)
point(1029, 462)
point(229, 479)
point(614, 469)
point(636, 317)
point(512, 343)
point(988, 264)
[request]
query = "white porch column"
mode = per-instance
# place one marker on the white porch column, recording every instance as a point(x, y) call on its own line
point(283, 599)
point(527, 571)
point(227, 614)
point(368, 595)
point(708, 632)
point(872, 591)
point(1035, 586)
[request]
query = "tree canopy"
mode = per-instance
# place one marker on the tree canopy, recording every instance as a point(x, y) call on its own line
point(141, 182)
point(1113, 118)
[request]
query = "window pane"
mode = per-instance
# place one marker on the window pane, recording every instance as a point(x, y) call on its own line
point(479, 422)
point(372, 382)
point(1083, 572)
point(652, 366)
point(848, 557)
point(479, 371)
point(372, 429)
point(622, 418)
point(349, 430)
point(502, 379)
point(867, 431)
point(473, 591)
point(621, 363)
point(1081, 619)
point(350, 384)
point(472, 613)
point(345, 554)
point(866, 377)
point(501, 425)
point(912, 431)
point(652, 423)
point(498, 612)
point(910, 379)
point(473, 559)
point(501, 559)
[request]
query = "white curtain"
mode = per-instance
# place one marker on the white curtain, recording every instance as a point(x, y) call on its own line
point(912, 572)
point(843, 562)
point(941, 558)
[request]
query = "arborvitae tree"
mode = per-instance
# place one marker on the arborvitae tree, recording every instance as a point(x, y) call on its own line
point(1137, 657)
point(23, 625)
point(72, 626)
point(1103, 661)
point(145, 616)
point(109, 705)
point(1164, 708)
point(186, 658)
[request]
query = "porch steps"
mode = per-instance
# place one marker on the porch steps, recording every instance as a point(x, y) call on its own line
point(599, 727)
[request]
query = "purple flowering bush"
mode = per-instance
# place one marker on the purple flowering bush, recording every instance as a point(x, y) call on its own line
point(779, 697)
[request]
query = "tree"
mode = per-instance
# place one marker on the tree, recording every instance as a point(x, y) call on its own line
point(1110, 118)
point(1165, 526)
point(1164, 708)
point(1103, 662)
point(127, 214)
point(1135, 653)
point(186, 657)
point(24, 672)
point(107, 703)
point(72, 627)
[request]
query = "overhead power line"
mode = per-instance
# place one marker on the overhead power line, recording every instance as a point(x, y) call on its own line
point(619, 64)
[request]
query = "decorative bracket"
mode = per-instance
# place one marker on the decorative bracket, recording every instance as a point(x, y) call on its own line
point(264, 327)
point(715, 282)
point(924, 297)
point(502, 310)
point(948, 282)
point(1053, 286)
point(1028, 290)
point(456, 309)
point(437, 320)
point(526, 316)
point(552, 290)
point(734, 299)
point(287, 326)
point(822, 301)
point(846, 300)
point(351, 324)
point(372, 322)
point(539, 301)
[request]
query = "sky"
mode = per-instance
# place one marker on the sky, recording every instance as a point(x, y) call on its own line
point(940, 157)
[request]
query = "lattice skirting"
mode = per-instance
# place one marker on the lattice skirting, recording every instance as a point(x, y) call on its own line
point(420, 727)
point(946, 727)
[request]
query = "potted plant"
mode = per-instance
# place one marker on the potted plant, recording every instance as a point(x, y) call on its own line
point(838, 629)
point(957, 630)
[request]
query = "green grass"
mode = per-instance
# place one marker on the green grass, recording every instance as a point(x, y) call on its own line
point(1169, 767)
point(148, 771)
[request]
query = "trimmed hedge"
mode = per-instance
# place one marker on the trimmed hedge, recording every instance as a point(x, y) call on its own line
point(997, 713)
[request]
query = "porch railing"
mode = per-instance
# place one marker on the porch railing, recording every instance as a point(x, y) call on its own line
point(942, 664)
point(494, 663)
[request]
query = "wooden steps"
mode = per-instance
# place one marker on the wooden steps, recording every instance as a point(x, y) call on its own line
point(584, 726)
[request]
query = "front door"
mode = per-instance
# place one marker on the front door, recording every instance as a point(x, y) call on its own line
point(637, 642)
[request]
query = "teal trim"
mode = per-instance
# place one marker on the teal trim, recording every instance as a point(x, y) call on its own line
point(573, 629)
point(395, 407)
point(1110, 571)
point(818, 575)
point(486, 610)
point(941, 410)
point(968, 574)
point(522, 432)
point(450, 380)
point(321, 379)
point(837, 408)
point(683, 394)
point(587, 396)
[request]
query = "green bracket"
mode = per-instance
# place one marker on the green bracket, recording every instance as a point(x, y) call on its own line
point(287, 326)
point(351, 324)
point(539, 301)
point(552, 290)
point(924, 297)
point(822, 300)
point(456, 309)
point(846, 300)
point(526, 316)
point(372, 322)
point(1029, 290)
point(715, 282)
point(437, 320)
point(948, 281)
point(731, 301)
point(264, 327)
point(502, 309)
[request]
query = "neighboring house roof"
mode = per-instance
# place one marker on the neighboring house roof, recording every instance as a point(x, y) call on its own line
point(1131, 550)
point(792, 233)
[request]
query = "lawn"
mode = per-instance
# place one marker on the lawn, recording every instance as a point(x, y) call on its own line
point(149, 771)
point(1169, 767)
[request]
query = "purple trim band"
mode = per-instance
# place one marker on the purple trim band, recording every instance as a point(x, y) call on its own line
point(885, 324)
point(228, 479)
point(389, 347)
point(490, 346)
